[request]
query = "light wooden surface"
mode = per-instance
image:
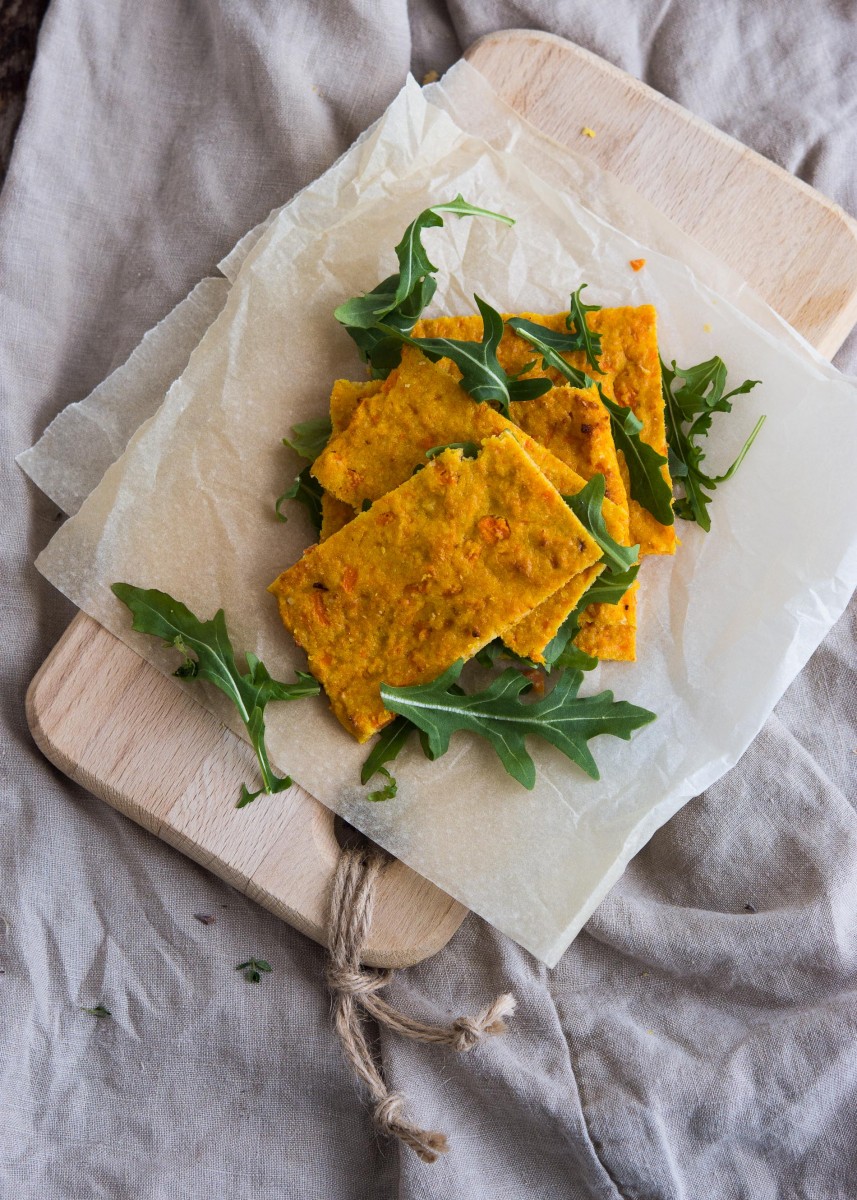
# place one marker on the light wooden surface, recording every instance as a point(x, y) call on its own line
point(797, 248)
point(115, 724)
point(133, 737)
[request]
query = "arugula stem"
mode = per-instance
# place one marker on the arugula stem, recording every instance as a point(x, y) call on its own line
point(743, 454)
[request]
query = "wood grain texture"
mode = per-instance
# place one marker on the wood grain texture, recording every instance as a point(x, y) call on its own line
point(120, 728)
point(133, 737)
point(797, 248)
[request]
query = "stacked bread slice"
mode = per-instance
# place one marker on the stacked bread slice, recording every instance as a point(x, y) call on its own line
point(422, 562)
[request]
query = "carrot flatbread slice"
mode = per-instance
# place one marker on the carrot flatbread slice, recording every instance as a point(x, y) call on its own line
point(421, 406)
point(344, 399)
point(631, 367)
point(575, 426)
point(630, 375)
point(433, 571)
point(335, 515)
point(609, 630)
point(529, 636)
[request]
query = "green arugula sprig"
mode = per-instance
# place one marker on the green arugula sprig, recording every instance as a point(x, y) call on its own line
point(692, 396)
point(380, 345)
point(560, 653)
point(499, 715)
point(308, 440)
point(489, 655)
point(482, 377)
point(390, 741)
point(648, 486)
point(587, 339)
point(609, 589)
point(208, 655)
point(397, 302)
point(307, 491)
point(586, 506)
point(606, 589)
point(414, 263)
point(387, 791)
point(254, 969)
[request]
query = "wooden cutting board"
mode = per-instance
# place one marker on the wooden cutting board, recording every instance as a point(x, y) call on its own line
point(113, 723)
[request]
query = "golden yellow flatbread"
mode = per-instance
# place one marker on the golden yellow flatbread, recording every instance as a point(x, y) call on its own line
point(421, 406)
point(529, 636)
point(630, 374)
point(334, 516)
point(344, 398)
point(608, 631)
point(434, 570)
point(575, 426)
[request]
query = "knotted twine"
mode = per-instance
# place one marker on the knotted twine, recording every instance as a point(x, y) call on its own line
point(356, 988)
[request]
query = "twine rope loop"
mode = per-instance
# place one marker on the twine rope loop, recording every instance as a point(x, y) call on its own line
point(355, 995)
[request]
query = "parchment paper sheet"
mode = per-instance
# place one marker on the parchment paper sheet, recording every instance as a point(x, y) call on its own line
point(86, 437)
point(724, 627)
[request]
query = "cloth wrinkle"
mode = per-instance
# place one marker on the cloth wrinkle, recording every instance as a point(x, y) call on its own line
point(675, 1051)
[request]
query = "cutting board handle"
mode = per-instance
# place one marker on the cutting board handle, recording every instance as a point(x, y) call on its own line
point(117, 726)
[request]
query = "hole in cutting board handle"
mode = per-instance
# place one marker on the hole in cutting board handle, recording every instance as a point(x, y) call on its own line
point(350, 838)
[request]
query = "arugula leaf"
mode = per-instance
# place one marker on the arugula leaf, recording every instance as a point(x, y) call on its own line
point(562, 718)
point(309, 438)
point(307, 491)
point(606, 589)
point(488, 655)
point(587, 341)
point(414, 263)
point(468, 449)
point(381, 350)
point(253, 969)
point(609, 589)
point(482, 377)
point(98, 1011)
point(586, 506)
point(397, 302)
point(690, 407)
point(561, 650)
point(648, 486)
point(552, 344)
point(364, 312)
point(390, 741)
point(208, 655)
point(388, 791)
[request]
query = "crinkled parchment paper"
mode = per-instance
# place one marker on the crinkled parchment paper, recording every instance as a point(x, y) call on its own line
point(724, 626)
point(86, 437)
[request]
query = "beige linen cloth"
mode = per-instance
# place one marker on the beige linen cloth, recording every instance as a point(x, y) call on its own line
point(698, 1038)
